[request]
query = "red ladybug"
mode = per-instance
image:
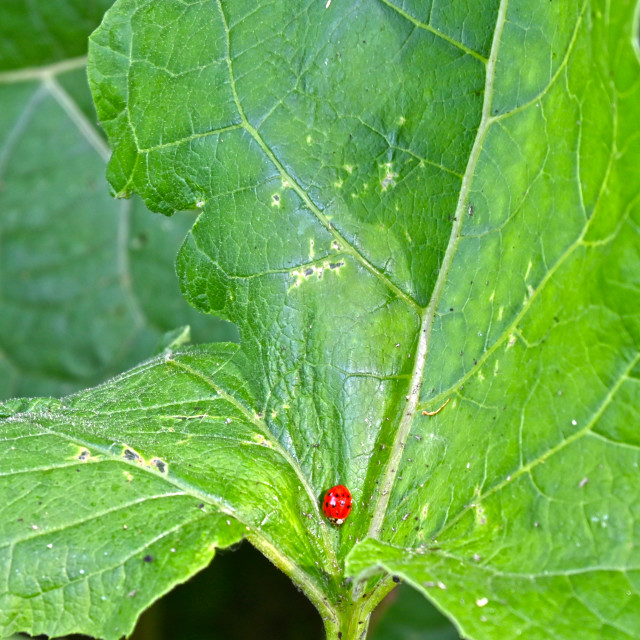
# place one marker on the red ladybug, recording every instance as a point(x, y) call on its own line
point(337, 504)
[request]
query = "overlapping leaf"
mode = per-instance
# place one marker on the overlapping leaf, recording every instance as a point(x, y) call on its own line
point(118, 493)
point(88, 284)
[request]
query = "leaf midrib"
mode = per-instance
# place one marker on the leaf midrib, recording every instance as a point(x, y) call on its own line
point(384, 494)
point(426, 314)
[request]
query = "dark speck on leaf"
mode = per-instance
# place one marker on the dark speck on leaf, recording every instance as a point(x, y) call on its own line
point(201, 505)
point(396, 579)
point(130, 455)
point(148, 558)
point(308, 272)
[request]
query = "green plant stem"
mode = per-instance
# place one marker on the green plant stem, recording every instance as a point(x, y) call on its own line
point(353, 618)
point(353, 623)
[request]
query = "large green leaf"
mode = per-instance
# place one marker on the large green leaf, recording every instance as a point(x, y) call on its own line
point(399, 204)
point(159, 458)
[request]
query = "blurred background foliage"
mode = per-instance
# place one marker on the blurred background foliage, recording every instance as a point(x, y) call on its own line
point(88, 289)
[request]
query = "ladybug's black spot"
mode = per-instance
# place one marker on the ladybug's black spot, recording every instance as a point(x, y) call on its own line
point(326, 504)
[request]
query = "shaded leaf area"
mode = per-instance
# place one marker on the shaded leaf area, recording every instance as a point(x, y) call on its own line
point(405, 615)
point(42, 32)
point(89, 284)
point(173, 463)
point(239, 595)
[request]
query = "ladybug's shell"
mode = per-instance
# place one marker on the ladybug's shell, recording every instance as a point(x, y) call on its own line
point(337, 504)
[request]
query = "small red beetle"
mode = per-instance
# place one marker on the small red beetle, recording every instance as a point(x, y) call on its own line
point(337, 504)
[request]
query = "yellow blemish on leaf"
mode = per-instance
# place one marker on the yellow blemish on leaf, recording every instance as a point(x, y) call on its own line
point(316, 272)
point(388, 180)
point(258, 438)
point(82, 453)
point(480, 515)
point(158, 465)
